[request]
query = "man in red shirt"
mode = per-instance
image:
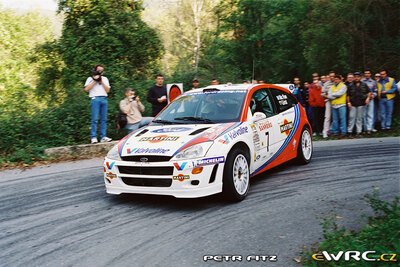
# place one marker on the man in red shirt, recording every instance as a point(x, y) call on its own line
point(317, 104)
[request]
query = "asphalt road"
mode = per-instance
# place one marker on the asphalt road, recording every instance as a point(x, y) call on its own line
point(61, 215)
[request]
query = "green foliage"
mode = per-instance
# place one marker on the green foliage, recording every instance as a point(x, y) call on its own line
point(380, 234)
point(281, 39)
point(41, 79)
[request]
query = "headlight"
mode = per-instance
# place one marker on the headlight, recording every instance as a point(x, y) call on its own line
point(195, 151)
point(113, 153)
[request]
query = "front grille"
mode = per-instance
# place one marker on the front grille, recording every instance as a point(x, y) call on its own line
point(149, 158)
point(147, 182)
point(146, 170)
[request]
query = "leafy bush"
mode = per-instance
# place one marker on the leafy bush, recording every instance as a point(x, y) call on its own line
point(381, 234)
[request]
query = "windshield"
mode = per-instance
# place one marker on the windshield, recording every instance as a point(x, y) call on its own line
point(204, 107)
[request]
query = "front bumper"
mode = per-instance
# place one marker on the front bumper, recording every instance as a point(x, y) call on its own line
point(174, 178)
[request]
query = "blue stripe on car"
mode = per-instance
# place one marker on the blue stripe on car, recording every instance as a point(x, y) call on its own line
point(287, 141)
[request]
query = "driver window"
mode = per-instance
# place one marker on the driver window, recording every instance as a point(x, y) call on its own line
point(261, 102)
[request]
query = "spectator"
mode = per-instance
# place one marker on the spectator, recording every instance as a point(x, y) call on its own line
point(386, 93)
point(323, 79)
point(214, 82)
point(369, 117)
point(377, 112)
point(157, 95)
point(317, 104)
point(98, 87)
point(195, 84)
point(297, 90)
point(338, 102)
point(133, 109)
point(316, 75)
point(377, 77)
point(306, 105)
point(349, 79)
point(326, 91)
point(358, 96)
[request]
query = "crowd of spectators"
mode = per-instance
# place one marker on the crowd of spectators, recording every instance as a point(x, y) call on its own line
point(355, 104)
point(335, 105)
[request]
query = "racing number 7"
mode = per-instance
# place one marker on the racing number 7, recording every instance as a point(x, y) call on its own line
point(267, 142)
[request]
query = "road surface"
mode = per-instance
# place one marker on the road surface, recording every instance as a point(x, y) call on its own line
point(61, 215)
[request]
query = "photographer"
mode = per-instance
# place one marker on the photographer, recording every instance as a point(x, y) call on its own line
point(133, 109)
point(98, 86)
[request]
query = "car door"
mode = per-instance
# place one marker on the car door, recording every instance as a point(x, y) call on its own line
point(285, 105)
point(266, 133)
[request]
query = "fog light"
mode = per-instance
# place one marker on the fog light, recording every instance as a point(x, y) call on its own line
point(197, 170)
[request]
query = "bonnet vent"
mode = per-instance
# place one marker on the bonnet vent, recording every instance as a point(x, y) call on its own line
point(199, 131)
point(142, 132)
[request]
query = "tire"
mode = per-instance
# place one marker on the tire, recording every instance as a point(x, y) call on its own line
point(305, 147)
point(236, 180)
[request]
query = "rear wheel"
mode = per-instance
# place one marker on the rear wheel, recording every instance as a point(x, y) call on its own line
point(305, 147)
point(236, 179)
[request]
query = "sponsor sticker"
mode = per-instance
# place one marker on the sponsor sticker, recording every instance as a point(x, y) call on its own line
point(146, 151)
point(225, 140)
point(159, 138)
point(172, 130)
point(110, 165)
point(286, 127)
point(210, 161)
point(264, 125)
point(181, 177)
point(281, 97)
point(238, 132)
point(110, 176)
point(181, 166)
point(214, 132)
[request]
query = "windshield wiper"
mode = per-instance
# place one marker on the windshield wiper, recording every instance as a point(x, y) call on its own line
point(163, 121)
point(194, 119)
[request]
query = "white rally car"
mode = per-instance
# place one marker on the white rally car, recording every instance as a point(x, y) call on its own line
point(211, 140)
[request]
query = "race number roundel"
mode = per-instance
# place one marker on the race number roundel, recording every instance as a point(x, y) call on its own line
point(174, 92)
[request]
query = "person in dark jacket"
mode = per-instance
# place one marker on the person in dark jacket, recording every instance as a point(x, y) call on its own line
point(358, 95)
point(297, 92)
point(157, 95)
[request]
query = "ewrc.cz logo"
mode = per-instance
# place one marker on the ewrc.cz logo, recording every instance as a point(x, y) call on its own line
point(354, 256)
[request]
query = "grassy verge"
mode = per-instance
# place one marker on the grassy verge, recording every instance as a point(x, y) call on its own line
point(381, 234)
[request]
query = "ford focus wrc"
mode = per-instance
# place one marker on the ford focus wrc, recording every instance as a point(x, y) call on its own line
point(211, 140)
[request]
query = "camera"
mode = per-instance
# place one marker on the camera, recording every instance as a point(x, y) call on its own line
point(96, 73)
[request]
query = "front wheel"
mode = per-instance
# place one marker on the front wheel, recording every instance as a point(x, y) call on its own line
point(305, 148)
point(236, 181)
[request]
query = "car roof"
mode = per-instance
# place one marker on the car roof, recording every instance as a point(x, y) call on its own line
point(241, 86)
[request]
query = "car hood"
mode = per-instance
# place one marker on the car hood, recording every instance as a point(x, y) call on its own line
point(168, 140)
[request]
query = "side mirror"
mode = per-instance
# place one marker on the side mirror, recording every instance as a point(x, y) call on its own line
point(259, 116)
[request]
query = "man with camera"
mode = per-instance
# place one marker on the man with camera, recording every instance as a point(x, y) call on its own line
point(98, 87)
point(133, 108)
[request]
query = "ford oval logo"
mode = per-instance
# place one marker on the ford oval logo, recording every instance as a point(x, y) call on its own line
point(144, 159)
